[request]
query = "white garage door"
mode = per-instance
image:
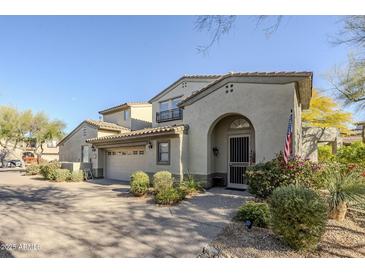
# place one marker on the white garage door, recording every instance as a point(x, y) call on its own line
point(121, 163)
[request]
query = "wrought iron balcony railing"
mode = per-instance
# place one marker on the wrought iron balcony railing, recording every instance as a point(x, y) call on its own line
point(169, 115)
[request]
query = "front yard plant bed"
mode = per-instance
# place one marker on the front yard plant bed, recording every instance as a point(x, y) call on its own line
point(341, 240)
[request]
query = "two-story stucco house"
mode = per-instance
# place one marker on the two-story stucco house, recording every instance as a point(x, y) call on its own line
point(116, 120)
point(209, 126)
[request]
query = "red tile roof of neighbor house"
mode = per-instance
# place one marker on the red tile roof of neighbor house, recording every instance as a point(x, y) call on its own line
point(99, 125)
point(176, 129)
point(283, 74)
point(106, 125)
point(123, 106)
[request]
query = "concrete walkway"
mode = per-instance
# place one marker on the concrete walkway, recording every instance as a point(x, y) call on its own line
point(101, 219)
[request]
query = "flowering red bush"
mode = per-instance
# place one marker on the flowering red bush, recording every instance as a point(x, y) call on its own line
point(264, 178)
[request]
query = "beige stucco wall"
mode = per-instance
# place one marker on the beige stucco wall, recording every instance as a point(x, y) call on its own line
point(141, 117)
point(177, 91)
point(70, 150)
point(312, 136)
point(118, 118)
point(267, 106)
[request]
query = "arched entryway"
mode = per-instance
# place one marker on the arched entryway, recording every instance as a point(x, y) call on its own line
point(232, 149)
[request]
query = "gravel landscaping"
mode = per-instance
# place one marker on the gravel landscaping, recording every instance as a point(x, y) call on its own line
point(341, 240)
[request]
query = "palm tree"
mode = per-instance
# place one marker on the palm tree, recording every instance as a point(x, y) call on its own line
point(344, 188)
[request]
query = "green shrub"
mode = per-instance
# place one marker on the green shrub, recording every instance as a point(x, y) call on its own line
point(48, 170)
point(257, 213)
point(354, 153)
point(140, 183)
point(190, 186)
point(265, 177)
point(169, 196)
point(325, 153)
point(162, 180)
point(299, 215)
point(62, 175)
point(77, 176)
point(32, 170)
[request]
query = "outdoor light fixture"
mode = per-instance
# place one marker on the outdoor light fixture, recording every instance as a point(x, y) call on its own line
point(248, 224)
point(93, 148)
point(150, 145)
point(215, 151)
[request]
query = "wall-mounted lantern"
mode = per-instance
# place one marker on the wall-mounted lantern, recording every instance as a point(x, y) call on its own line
point(93, 148)
point(150, 146)
point(215, 151)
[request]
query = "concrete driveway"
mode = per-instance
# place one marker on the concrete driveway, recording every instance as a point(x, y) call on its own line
point(100, 219)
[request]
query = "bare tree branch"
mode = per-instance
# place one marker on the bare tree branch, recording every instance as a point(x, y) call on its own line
point(218, 26)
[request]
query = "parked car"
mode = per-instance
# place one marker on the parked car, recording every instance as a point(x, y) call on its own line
point(14, 163)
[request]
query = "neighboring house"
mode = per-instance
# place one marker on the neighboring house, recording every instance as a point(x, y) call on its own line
point(50, 151)
point(119, 119)
point(209, 126)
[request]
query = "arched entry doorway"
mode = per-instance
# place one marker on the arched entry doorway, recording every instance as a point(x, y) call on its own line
point(232, 150)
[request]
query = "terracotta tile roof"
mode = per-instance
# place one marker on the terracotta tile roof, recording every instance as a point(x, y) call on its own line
point(140, 133)
point(99, 124)
point(249, 74)
point(122, 106)
point(106, 125)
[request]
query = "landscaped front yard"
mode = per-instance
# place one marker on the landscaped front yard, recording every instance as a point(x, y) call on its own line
point(103, 220)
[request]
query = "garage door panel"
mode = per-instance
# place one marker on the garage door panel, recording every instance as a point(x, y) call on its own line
point(121, 164)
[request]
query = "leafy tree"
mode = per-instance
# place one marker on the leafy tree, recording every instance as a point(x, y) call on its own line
point(14, 126)
point(324, 112)
point(18, 127)
point(42, 130)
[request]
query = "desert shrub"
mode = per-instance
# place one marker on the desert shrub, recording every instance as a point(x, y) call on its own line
point(299, 215)
point(48, 170)
point(263, 178)
point(346, 187)
point(62, 175)
point(169, 196)
point(140, 183)
point(354, 153)
point(32, 170)
point(190, 186)
point(257, 213)
point(77, 176)
point(162, 180)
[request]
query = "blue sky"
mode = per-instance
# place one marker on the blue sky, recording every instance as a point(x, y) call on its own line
point(72, 67)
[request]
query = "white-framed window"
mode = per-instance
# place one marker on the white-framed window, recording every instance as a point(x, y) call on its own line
point(163, 153)
point(170, 104)
point(126, 115)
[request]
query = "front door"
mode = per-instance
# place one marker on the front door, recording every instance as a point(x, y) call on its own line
point(238, 160)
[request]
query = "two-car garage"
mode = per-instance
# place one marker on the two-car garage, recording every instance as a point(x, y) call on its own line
point(122, 162)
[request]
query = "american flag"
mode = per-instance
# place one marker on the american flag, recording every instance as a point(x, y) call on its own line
point(288, 140)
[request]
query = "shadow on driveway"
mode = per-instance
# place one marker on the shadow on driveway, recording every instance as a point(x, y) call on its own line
point(100, 219)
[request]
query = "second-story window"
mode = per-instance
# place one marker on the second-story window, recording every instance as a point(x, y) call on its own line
point(125, 115)
point(164, 106)
point(175, 102)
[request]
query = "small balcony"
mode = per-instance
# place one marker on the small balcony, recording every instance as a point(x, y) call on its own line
point(169, 115)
